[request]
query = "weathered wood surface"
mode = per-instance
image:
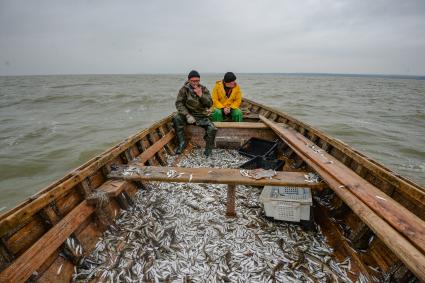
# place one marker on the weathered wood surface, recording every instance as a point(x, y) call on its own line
point(27, 236)
point(153, 149)
point(210, 175)
point(399, 217)
point(22, 268)
point(405, 187)
point(168, 146)
point(231, 201)
point(228, 137)
point(336, 239)
point(160, 153)
point(60, 270)
point(403, 248)
point(113, 187)
point(241, 125)
point(145, 144)
point(24, 212)
point(30, 207)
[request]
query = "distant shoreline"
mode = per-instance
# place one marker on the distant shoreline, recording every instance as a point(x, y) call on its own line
point(392, 76)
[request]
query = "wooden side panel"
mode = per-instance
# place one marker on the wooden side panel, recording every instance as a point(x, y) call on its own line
point(335, 238)
point(132, 189)
point(407, 203)
point(281, 119)
point(355, 229)
point(273, 116)
point(169, 146)
point(382, 255)
point(96, 179)
point(150, 151)
point(145, 144)
point(45, 266)
point(261, 111)
point(134, 151)
point(161, 154)
point(89, 236)
point(60, 270)
point(25, 237)
point(34, 257)
point(254, 109)
point(51, 213)
point(5, 256)
point(66, 203)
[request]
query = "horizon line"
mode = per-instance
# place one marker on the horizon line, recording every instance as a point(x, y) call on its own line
point(208, 73)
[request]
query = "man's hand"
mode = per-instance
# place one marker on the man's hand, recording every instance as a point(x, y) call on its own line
point(198, 91)
point(226, 110)
point(190, 119)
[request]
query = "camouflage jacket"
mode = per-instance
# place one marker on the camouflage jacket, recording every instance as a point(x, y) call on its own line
point(189, 103)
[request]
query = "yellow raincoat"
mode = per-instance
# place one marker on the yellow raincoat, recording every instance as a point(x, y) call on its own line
point(220, 99)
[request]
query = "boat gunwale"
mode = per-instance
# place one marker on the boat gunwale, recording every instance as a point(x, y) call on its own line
point(100, 160)
point(388, 174)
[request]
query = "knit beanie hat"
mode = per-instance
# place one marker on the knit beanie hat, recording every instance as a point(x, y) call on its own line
point(193, 74)
point(229, 77)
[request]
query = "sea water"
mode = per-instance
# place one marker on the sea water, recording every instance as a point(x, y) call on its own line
point(52, 124)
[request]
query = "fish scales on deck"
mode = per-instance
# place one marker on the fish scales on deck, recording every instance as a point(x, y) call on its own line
point(179, 235)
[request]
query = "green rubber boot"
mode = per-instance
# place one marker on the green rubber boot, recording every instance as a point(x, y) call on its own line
point(179, 122)
point(209, 137)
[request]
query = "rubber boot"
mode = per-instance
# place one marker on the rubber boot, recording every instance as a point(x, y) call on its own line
point(179, 123)
point(181, 140)
point(209, 139)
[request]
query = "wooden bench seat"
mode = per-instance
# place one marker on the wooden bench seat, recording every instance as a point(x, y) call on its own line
point(231, 177)
point(243, 125)
point(210, 176)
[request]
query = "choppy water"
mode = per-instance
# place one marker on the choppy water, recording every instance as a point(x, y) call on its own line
point(51, 124)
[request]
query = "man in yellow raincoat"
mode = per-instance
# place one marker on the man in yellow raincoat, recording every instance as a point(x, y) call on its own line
point(227, 98)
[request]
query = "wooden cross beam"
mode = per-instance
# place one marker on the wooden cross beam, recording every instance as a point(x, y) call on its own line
point(231, 177)
point(209, 176)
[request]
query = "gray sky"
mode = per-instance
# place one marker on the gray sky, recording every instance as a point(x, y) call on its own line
point(97, 36)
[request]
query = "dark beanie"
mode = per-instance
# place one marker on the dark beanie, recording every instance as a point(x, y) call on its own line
point(229, 77)
point(193, 74)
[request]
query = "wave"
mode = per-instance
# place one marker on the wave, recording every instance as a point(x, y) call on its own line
point(381, 117)
point(75, 85)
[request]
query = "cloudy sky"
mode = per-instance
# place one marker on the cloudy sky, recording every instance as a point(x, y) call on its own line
point(117, 37)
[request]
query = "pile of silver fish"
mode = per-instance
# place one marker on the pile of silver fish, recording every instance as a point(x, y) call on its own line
point(178, 232)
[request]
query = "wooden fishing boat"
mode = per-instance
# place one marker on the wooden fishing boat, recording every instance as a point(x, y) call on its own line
point(378, 216)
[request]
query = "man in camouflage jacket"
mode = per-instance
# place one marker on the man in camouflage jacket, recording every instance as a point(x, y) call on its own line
point(193, 104)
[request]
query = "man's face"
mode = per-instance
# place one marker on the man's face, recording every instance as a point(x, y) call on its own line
point(231, 84)
point(194, 82)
